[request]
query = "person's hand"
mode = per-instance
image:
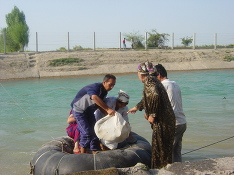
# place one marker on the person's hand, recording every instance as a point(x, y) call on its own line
point(146, 117)
point(110, 111)
point(151, 119)
point(71, 119)
point(133, 110)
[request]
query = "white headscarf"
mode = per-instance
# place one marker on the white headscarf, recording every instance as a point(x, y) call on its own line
point(123, 96)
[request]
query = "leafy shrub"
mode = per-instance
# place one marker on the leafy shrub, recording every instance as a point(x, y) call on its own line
point(186, 41)
point(139, 45)
point(64, 61)
point(228, 58)
point(62, 49)
point(77, 48)
point(157, 39)
point(82, 68)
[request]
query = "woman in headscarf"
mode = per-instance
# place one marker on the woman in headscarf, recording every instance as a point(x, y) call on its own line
point(159, 113)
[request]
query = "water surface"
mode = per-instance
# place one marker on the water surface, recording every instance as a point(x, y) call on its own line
point(35, 111)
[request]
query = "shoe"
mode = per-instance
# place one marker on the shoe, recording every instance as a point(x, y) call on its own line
point(76, 152)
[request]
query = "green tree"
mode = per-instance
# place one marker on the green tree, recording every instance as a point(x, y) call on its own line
point(11, 45)
point(1, 41)
point(156, 39)
point(186, 41)
point(136, 38)
point(17, 31)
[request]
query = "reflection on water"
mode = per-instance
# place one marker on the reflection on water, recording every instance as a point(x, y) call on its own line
point(26, 132)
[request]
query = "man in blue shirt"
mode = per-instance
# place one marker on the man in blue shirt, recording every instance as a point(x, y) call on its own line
point(86, 101)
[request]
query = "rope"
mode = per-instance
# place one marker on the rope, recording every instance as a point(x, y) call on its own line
point(136, 155)
point(208, 145)
point(17, 104)
point(131, 146)
point(15, 101)
point(32, 166)
point(94, 162)
point(57, 168)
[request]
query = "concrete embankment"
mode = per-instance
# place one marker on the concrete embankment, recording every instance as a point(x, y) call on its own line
point(36, 65)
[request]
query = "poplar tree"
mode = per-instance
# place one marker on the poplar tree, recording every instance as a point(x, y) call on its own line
point(17, 31)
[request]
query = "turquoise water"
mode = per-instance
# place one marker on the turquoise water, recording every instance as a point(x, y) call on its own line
point(35, 111)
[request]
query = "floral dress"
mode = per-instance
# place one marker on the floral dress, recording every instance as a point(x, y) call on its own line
point(156, 103)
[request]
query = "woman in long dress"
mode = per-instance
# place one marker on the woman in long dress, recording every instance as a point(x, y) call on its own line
point(159, 113)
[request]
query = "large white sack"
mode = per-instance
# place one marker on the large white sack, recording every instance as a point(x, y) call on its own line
point(109, 145)
point(113, 129)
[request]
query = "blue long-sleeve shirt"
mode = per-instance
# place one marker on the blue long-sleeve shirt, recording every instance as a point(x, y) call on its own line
point(83, 101)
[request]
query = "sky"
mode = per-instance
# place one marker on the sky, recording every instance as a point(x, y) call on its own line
point(53, 19)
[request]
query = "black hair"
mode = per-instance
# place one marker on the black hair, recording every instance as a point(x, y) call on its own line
point(109, 76)
point(161, 70)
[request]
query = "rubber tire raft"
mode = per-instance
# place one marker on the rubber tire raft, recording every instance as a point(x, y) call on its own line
point(56, 157)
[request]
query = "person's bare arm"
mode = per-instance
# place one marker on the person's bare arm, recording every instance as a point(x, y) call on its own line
point(139, 107)
point(133, 110)
point(102, 111)
point(100, 103)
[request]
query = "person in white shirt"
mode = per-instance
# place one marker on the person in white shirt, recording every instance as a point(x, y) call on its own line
point(174, 94)
point(118, 104)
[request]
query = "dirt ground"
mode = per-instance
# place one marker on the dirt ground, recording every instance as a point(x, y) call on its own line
point(36, 65)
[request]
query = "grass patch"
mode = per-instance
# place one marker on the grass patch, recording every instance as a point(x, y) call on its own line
point(64, 61)
point(228, 58)
point(62, 49)
point(82, 68)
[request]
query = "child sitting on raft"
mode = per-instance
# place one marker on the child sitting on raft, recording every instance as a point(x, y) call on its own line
point(73, 132)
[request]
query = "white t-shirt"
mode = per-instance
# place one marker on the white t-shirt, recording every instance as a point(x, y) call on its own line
point(174, 94)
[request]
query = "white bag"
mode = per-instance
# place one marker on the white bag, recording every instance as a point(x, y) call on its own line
point(109, 145)
point(113, 129)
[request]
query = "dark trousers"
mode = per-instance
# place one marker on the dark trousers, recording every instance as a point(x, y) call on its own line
point(177, 144)
point(88, 138)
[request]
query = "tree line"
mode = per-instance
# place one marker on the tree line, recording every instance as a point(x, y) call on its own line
point(15, 37)
point(155, 39)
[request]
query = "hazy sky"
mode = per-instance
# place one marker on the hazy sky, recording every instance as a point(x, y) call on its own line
point(109, 16)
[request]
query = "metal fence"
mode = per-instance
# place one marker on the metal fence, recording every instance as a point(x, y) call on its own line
point(52, 41)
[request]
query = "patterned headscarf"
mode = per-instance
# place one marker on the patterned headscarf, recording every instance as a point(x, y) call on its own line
point(123, 96)
point(146, 68)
